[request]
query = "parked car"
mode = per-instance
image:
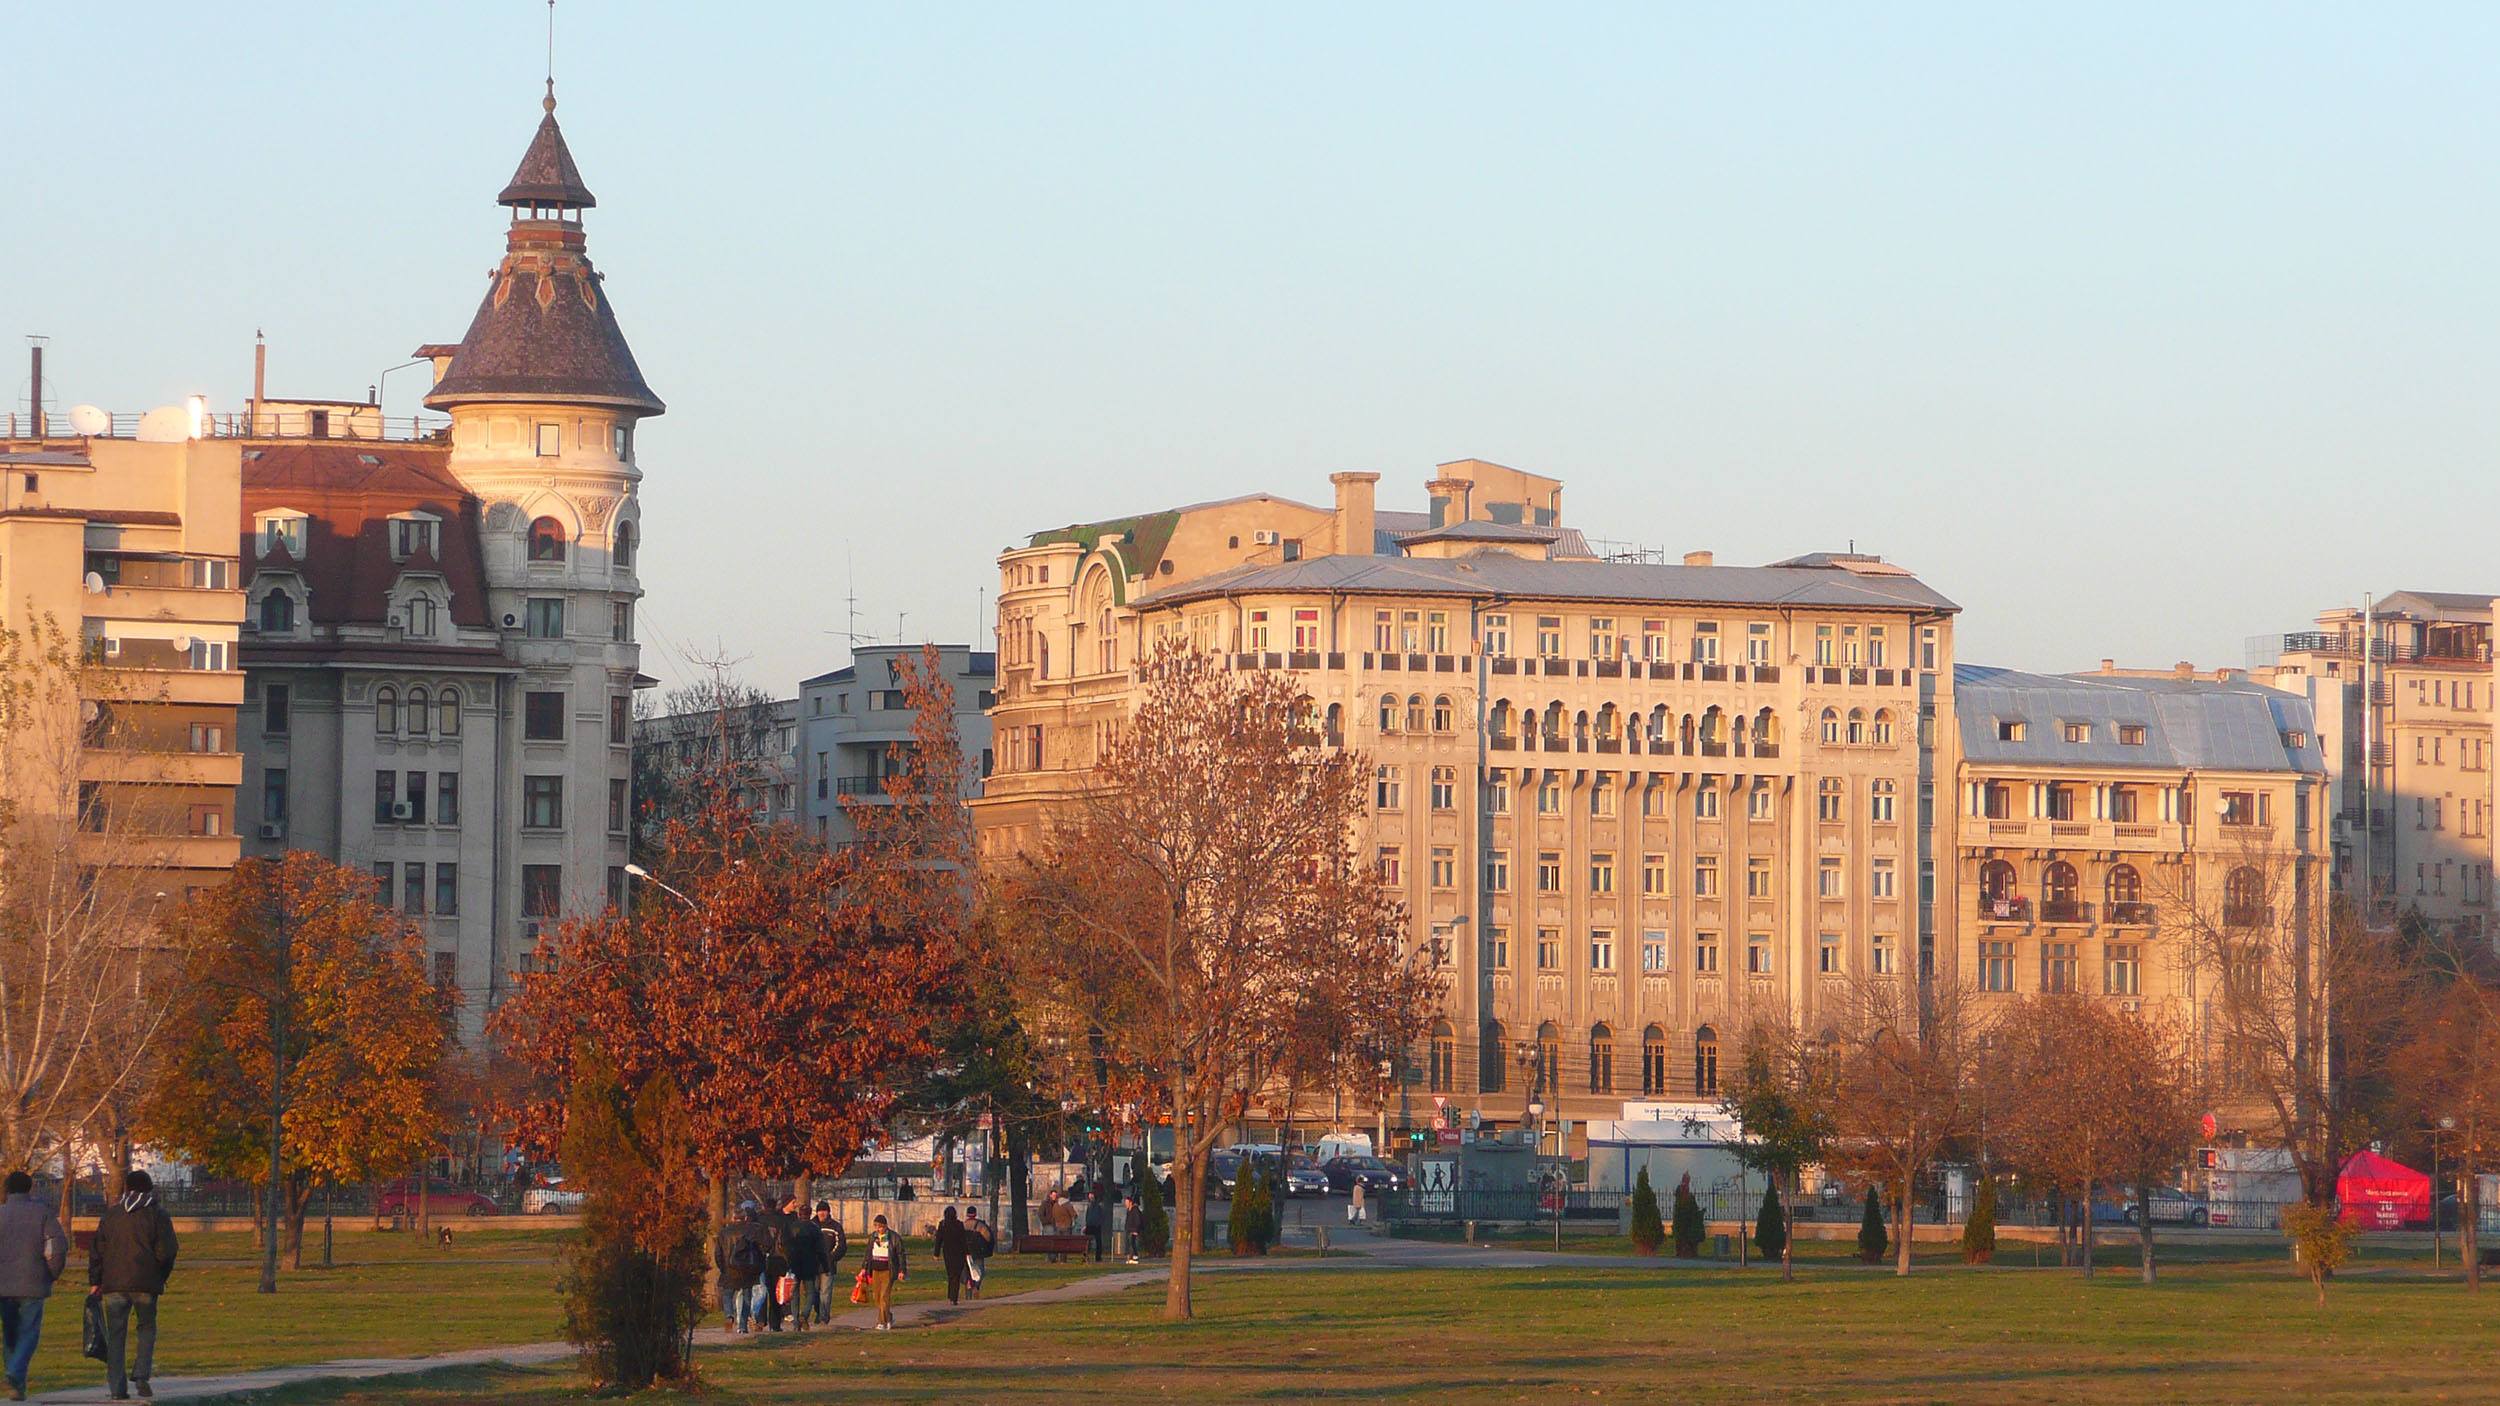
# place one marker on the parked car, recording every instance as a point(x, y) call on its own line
point(1373, 1173)
point(2171, 1206)
point(399, 1198)
point(551, 1200)
point(1303, 1177)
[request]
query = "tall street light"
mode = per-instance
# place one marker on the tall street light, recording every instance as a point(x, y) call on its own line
point(638, 872)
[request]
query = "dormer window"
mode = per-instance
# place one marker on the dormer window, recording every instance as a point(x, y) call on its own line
point(621, 439)
point(2010, 730)
point(411, 535)
point(421, 618)
point(277, 613)
point(546, 540)
point(282, 530)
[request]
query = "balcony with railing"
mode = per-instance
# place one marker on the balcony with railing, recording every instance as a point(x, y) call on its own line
point(2012, 908)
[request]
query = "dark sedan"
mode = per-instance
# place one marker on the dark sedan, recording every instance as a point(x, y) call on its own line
point(1375, 1174)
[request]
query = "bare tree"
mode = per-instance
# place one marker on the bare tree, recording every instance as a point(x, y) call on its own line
point(719, 735)
point(1781, 1094)
point(1901, 1086)
point(2302, 1004)
point(2451, 1080)
point(89, 822)
point(1192, 901)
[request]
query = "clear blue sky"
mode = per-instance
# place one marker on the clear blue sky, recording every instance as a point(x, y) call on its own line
point(2136, 330)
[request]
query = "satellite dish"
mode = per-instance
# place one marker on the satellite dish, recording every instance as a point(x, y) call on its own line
point(89, 420)
point(182, 644)
point(95, 583)
point(510, 620)
point(166, 424)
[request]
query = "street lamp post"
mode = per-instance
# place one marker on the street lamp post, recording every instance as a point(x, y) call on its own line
point(636, 871)
point(2446, 1125)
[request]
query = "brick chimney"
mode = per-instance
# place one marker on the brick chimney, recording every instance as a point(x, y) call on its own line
point(1699, 558)
point(1354, 512)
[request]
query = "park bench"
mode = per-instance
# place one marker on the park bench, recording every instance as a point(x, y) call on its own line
point(1047, 1244)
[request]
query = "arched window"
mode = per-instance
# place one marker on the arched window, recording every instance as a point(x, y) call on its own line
point(1857, 726)
point(1415, 713)
point(624, 556)
point(1549, 1059)
point(1388, 712)
point(1601, 1059)
point(546, 540)
point(1497, 723)
point(1660, 728)
point(1335, 733)
point(1553, 726)
point(1444, 718)
point(1831, 725)
point(2126, 892)
point(1883, 727)
point(1713, 732)
point(277, 613)
point(1766, 735)
point(386, 711)
point(2060, 892)
point(420, 711)
point(1606, 723)
point(1705, 1062)
point(1653, 1062)
point(421, 617)
point(2243, 899)
point(1996, 881)
point(447, 712)
point(1580, 729)
point(1489, 1056)
point(1444, 1057)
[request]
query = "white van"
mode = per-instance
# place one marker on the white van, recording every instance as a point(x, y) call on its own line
point(1341, 1145)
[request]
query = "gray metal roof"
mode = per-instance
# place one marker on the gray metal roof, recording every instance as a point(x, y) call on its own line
point(2195, 724)
point(1498, 573)
point(2469, 605)
point(1479, 530)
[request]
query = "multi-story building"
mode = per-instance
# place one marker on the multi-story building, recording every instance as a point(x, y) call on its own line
point(2095, 808)
point(758, 739)
point(2404, 696)
point(858, 728)
point(124, 542)
point(441, 633)
point(1628, 805)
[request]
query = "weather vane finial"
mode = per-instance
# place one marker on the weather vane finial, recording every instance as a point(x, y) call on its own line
point(551, 55)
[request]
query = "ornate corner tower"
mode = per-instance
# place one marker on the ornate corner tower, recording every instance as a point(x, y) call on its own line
point(544, 399)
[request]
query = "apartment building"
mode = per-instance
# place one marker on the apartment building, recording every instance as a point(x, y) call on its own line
point(759, 739)
point(1628, 805)
point(2404, 697)
point(124, 541)
point(857, 728)
point(2098, 809)
point(440, 637)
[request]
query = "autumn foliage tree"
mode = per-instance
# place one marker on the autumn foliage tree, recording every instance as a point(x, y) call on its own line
point(303, 1039)
point(2451, 1079)
point(1900, 1087)
point(1193, 903)
point(633, 1284)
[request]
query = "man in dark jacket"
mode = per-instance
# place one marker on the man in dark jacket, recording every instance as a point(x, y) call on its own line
point(837, 1243)
point(739, 1257)
point(807, 1259)
point(127, 1266)
point(776, 1226)
point(1097, 1224)
point(954, 1252)
point(33, 1252)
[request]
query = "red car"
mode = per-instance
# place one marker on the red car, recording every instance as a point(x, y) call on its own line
point(399, 1198)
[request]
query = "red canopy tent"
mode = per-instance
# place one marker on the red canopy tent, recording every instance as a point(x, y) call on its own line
point(2378, 1194)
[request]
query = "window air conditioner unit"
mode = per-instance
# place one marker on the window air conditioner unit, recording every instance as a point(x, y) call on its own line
point(272, 830)
point(402, 810)
point(2131, 1005)
point(1265, 537)
point(529, 932)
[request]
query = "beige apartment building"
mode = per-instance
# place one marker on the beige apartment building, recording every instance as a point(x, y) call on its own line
point(1628, 804)
point(125, 539)
point(2099, 809)
point(2404, 696)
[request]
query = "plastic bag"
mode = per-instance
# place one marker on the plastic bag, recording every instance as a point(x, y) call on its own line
point(859, 1288)
point(785, 1288)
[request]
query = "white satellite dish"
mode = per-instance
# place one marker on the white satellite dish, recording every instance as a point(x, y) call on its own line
point(89, 420)
point(166, 424)
point(95, 583)
point(182, 644)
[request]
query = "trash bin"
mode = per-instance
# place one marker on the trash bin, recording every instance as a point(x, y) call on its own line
point(1720, 1245)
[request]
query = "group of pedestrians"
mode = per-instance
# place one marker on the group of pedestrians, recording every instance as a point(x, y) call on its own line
point(779, 1268)
point(128, 1263)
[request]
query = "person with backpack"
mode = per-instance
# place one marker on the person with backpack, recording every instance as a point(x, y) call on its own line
point(979, 1245)
point(836, 1243)
point(807, 1261)
point(739, 1257)
point(128, 1263)
point(886, 1269)
point(33, 1252)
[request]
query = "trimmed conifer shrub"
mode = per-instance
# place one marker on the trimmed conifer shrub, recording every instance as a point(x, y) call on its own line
point(1770, 1228)
point(1688, 1225)
point(1979, 1233)
point(1871, 1238)
point(1648, 1232)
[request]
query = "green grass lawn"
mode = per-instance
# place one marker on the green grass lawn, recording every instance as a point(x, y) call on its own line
point(387, 1296)
point(2209, 1332)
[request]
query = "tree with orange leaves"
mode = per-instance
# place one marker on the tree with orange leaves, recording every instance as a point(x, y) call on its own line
point(785, 989)
point(1189, 909)
point(304, 1038)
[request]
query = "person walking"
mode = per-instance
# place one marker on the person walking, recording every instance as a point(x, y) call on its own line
point(886, 1269)
point(979, 1243)
point(1355, 1207)
point(837, 1243)
point(1097, 1224)
point(778, 1280)
point(128, 1263)
point(1132, 1224)
point(33, 1252)
point(953, 1253)
point(738, 1255)
point(807, 1261)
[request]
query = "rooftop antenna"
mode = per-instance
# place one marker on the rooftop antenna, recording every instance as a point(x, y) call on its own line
point(850, 601)
point(551, 55)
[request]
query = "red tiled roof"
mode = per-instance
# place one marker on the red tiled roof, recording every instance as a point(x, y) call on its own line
point(350, 491)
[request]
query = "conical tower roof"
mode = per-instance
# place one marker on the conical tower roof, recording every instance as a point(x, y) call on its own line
point(546, 331)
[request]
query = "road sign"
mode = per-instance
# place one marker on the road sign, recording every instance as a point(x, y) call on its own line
point(1439, 1102)
point(1449, 1137)
point(2210, 1125)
